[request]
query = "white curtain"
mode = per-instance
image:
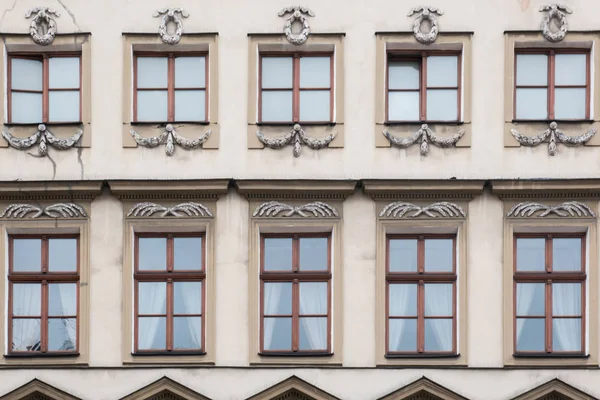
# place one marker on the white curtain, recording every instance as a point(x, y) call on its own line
point(190, 294)
point(566, 301)
point(401, 304)
point(152, 298)
point(27, 301)
point(272, 297)
point(525, 297)
point(67, 293)
point(438, 302)
point(313, 300)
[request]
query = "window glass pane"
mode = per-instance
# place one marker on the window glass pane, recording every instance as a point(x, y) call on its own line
point(62, 299)
point(442, 71)
point(277, 334)
point(190, 72)
point(438, 255)
point(277, 72)
point(152, 72)
point(277, 298)
point(277, 106)
point(26, 74)
point(314, 105)
point(278, 254)
point(531, 334)
point(404, 75)
point(570, 69)
point(531, 299)
point(569, 103)
point(26, 107)
point(62, 334)
point(438, 299)
point(26, 334)
point(532, 103)
point(566, 254)
point(63, 106)
point(314, 254)
point(403, 335)
point(566, 334)
point(532, 69)
point(531, 254)
point(566, 299)
point(64, 72)
point(152, 298)
point(438, 334)
point(190, 105)
point(188, 253)
point(152, 333)
point(403, 255)
point(403, 106)
point(442, 105)
point(187, 297)
point(313, 298)
point(187, 332)
point(315, 72)
point(62, 254)
point(27, 299)
point(27, 255)
point(403, 300)
point(152, 254)
point(152, 105)
point(313, 333)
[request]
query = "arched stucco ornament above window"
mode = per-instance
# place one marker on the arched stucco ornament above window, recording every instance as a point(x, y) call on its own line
point(42, 15)
point(424, 135)
point(297, 136)
point(43, 137)
point(558, 12)
point(168, 15)
point(425, 13)
point(300, 14)
point(552, 135)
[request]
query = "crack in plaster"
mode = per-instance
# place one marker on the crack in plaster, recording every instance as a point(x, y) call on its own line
point(6, 11)
point(70, 14)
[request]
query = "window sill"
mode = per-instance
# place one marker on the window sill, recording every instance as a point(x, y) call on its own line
point(551, 355)
point(169, 354)
point(548, 121)
point(403, 123)
point(42, 355)
point(48, 124)
point(165, 123)
point(421, 356)
point(291, 124)
point(294, 354)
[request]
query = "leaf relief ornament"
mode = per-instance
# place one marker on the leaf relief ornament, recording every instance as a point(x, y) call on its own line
point(298, 137)
point(58, 210)
point(43, 27)
point(171, 138)
point(170, 15)
point(401, 209)
point(428, 14)
point(425, 135)
point(559, 13)
point(274, 208)
point(189, 209)
point(566, 209)
point(297, 13)
point(43, 137)
point(553, 135)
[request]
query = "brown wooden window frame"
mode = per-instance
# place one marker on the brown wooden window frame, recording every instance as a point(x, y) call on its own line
point(420, 278)
point(42, 277)
point(45, 92)
point(296, 89)
point(295, 276)
point(421, 58)
point(548, 277)
point(171, 56)
point(550, 85)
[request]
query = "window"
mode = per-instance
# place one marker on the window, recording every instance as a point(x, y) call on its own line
point(44, 88)
point(549, 303)
point(424, 87)
point(421, 294)
point(552, 85)
point(43, 284)
point(295, 294)
point(169, 293)
point(296, 88)
point(170, 88)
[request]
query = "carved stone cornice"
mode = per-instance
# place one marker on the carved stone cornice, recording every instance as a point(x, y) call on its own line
point(42, 15)
point(442, 209)
point(43, 137)
point(58, 210)
point(425, 135)
point(558, 12)
point(552, 135)
point(425, 13)
point(546, 189)
point(295, 189)
point(169, 190)
point(537, 210)
point(171, 138)
point(49, 191)
point(189, 209)
point(170, 14)
point(298, 13)
point(297, 136)
point(316, 209)
point(445, 189)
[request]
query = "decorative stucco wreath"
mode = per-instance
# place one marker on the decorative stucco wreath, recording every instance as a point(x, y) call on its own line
point(298, 14)
point(555, 11)
point(169, 14)
point(42, 14)
point(425, 14)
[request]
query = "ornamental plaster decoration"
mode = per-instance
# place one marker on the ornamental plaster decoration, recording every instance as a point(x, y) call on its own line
point(298, 13)
point(426, 135)
point(553, 135)
point(558, 12)
point(298, 136)
point(170, 14)
point(567, 209)
point(444, 209)
point(170, 137)
point(317, 208)
point(42, 20)
point(58, 210)
point(425, 13)
point(189, 209)
point(44, 138)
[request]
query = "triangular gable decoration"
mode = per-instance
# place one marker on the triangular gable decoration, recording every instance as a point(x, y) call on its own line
point(293, 388)
point(38, 390)
point(165, 389)
point(423, 389)
point(555, 390)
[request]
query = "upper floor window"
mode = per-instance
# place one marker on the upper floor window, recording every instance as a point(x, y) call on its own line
point(295, 294)
point(296, 88)
point(43, 285)
point(549, 303)
point(170, 88)
point(552, 85)
point(44, 88)
point(424, 87)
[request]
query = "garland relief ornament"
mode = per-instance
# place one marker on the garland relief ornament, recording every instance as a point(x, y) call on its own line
point(42, 21)
point(566, 209)
point(426, 135)
point(170, 14)
point(317, 209)
point(297, 136)
point(189, 209)
point(300, 14)
point(400, 209)
point(558, 12)
point(425, 13)
point(170, 137)
point(44, 138)
point(58, 210)
point(553, 135)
